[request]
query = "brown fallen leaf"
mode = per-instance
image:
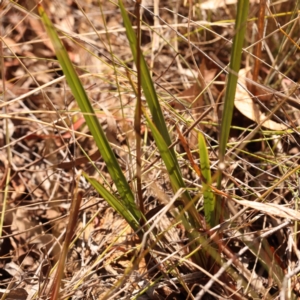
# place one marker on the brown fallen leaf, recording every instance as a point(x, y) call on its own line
point(188, 96)
point(213, 4)
point(78, 161)
point(193, 97)
point(244, 103)
point(274, 210)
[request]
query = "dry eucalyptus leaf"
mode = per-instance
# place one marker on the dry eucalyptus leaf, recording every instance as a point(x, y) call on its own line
point(14, 270)
point(213, 4)
point(271, 209)
point(244, 103)
point(23, 225)
point(17, 294)
point(193, 98)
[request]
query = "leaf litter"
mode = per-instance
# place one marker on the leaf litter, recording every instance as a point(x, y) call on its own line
point(46, 135)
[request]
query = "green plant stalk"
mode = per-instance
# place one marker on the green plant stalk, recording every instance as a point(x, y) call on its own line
point(208, 195)
point(162, 138)
point(92, 121)
point(193, 223)
point(146, 81)
point(114, 203)
point(234, 67)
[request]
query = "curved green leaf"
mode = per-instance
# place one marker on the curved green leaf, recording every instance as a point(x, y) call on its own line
point(208, 195)
point(91, 119)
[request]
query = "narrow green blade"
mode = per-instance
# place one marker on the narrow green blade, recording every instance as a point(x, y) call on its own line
point(147, 83)
point(208, 195)
point(92, 121)
point(114, 203)
point(234, 67)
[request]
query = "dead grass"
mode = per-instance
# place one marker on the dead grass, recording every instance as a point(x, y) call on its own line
point(40, 156)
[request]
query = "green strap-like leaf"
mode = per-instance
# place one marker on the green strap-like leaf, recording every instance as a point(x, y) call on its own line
point(147, 83)
point(234, 67)
point(91, 119)
point(208, 195)
point(114, 203)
